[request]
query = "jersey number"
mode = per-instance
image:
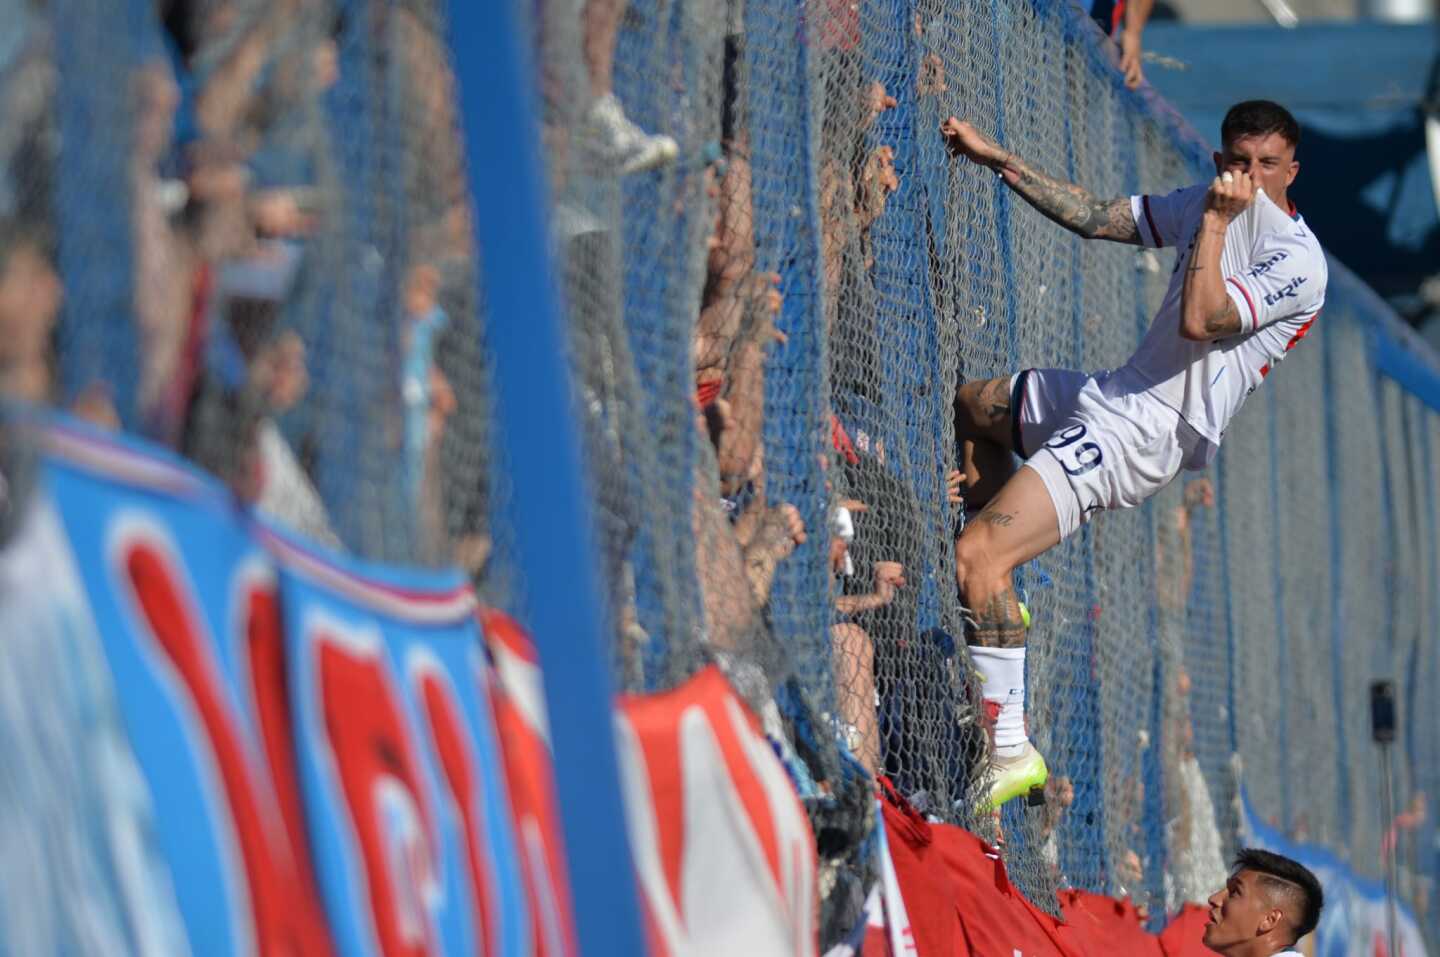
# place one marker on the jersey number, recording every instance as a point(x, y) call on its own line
point(1083, 456)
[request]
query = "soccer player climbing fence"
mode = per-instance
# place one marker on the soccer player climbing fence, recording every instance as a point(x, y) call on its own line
point(1212, 644)
point(773, 280)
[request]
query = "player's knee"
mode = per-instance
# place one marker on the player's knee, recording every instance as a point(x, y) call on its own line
point(976, 567)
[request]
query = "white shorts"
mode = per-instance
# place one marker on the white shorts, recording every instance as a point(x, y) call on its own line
point(1096, 441)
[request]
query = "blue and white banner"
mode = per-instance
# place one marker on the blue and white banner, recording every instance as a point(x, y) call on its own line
point(81, 867)
point(402, 774)
point(231, 742)
point(183, 599)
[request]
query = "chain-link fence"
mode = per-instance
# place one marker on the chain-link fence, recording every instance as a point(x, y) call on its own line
point(241, 230)
point(842, 277)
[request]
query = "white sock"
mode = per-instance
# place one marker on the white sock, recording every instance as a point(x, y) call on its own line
point(1003, 671)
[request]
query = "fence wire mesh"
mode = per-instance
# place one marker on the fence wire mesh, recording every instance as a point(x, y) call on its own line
point(774, 280)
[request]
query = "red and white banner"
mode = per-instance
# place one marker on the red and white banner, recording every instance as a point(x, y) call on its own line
point(518, 697)
point(723, 850)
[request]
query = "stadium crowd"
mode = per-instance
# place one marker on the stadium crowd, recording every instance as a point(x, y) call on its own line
point(234, 203)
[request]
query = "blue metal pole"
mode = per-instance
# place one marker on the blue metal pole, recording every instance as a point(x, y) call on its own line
point(555, 544)
point(1338, 606)
point(1282, 637)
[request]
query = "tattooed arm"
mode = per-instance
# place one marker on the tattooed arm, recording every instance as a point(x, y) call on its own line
point(1074, 207)
point(1206, 309)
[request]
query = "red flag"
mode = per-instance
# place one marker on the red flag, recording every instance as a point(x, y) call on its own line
point(995, 918)
point(723, 850)
point(930, 898)
point(1096, 924)
point(1182, 936)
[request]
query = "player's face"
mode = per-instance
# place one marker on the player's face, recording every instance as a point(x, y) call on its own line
point(1269, 160)
point(1236, 912)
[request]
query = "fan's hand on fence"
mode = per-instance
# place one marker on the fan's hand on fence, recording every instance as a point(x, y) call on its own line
point(789, 519)
point(422, 289)
point(280, 212)
point(877, 181)
point(889, 576)
point(954, 485)
point(1130, 60)
point(931, 80)
point(764, 288)
point(963, 139)
point(877, 101)
point(781, 531)
point(1199, 493)
point(1230, 195)
point(885, 175)
point(442, 405)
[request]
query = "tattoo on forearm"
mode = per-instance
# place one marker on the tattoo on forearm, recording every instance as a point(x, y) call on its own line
point(1075, 207)
point(1225, 319)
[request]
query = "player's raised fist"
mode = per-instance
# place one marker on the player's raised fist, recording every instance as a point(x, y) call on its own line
point(962, 139)
point(1230, 194)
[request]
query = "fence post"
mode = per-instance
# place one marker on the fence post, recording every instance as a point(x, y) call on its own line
point(1338, 607)
point(555, 540)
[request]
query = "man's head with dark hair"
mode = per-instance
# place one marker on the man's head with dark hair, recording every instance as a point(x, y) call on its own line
point(1268, 904)
point(1257, 118)
point(1259, 137)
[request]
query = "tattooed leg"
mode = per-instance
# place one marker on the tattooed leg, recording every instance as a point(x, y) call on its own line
point(997, 622)
point(1016, 526)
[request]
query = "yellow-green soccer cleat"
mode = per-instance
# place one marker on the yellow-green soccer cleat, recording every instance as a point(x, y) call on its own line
point(1025, 773)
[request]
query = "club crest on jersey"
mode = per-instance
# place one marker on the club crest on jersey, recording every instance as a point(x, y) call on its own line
point(1286, 291)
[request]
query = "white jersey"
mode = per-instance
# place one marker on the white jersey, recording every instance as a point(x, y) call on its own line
point(1275, 273)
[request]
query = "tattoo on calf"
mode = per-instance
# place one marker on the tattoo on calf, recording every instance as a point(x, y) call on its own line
point(998, 624)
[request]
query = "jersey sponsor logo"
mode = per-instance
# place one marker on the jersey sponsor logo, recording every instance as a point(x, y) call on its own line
point(1287, 291)
point(1261, 268)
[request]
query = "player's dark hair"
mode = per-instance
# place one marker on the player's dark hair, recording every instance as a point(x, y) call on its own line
point(1288, 878)
point(1259, 118)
